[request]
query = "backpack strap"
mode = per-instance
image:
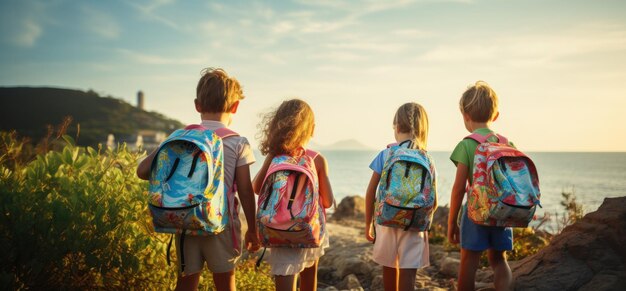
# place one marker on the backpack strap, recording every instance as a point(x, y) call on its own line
point(479, 138)
point(195, 126)
point(483, 138)
point(225, 132)
point(311, 153)
point(222, 132)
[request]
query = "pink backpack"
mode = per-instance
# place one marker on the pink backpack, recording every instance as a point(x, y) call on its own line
point(505, 188)
point(289, 210)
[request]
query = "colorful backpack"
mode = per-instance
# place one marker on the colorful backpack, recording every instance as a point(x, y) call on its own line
point(406, 192)
point(505, 188)
point(187, 190)
point(289, 210)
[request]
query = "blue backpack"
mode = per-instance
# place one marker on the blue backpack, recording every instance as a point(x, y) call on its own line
point(187, 193)
point(406, 192)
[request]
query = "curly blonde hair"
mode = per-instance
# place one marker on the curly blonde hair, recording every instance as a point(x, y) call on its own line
point(287, 129)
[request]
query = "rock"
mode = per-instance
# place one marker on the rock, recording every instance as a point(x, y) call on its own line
point(350, 282)
point(588, 255)
point(330, 288)
point(352, 265)
point(482, 286)
point(377, 283)
point(484, 275)
point(450, 267)
point(350, 208)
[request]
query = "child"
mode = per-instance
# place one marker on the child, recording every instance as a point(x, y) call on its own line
point(286, 131)
point(217, 99)
point(401, 252)
point(479, 107)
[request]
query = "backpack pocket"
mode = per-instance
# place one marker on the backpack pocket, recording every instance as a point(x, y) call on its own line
point(301, 238)
point(513, 215)
point(404, 217)
point(169, 219)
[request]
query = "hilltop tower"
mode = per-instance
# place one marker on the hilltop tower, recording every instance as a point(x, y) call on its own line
point(140, 100)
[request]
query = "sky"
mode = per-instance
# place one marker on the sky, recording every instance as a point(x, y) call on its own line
point(558, 67)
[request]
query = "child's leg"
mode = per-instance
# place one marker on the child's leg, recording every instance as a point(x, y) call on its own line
point(285, 283)
point(308, 278)
point(502, 276)
point(188, 283)
point(407, 279)
point(467, 272)
point(224, 281)
point(390, 278)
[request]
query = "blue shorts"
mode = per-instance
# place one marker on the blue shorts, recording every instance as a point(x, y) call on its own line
point(476, 237)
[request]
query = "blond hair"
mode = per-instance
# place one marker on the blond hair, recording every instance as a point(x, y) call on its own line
point(412, 118)
point(480, 102)
point(287, 129)
point(216, 91)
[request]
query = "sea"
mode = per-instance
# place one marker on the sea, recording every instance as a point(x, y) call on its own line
point(590, 176)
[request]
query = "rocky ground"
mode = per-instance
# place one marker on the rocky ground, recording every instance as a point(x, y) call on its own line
point(347, 264)
point(589, 255)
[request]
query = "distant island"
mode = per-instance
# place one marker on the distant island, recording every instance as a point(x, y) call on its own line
point(29, 111)
point(342, 145)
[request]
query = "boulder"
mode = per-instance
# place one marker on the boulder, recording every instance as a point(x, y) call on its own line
point(450, 267)
point(350, 208)
point(350, 282)
point(588, 255)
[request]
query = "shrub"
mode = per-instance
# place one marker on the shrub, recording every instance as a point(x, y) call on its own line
point(77, 218)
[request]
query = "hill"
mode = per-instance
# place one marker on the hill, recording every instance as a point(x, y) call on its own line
point(29, 110)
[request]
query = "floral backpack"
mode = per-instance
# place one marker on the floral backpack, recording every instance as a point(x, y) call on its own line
point(505, 188)
point(289, 210)
point(406, 193)
point(187, 192)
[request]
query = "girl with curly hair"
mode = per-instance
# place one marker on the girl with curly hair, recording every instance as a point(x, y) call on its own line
point(285, 132)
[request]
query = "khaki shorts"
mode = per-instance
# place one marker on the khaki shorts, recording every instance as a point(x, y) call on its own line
point(216, 250)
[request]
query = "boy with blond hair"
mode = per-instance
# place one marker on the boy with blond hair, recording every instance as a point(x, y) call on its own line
point(217, 100)
point(479, 108)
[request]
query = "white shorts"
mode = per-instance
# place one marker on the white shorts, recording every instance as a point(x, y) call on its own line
point(395, 247)
point(291, 261)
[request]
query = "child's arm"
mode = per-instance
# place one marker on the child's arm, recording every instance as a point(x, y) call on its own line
point(326, 192)
point(143, 170)
point(456, 198)
point(369, 204)
point(257, 183)
point(246, 196)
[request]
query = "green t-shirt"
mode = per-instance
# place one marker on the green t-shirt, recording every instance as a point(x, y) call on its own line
point(464, 151)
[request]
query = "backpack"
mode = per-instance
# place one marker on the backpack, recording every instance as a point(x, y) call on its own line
point(289, 210)
point(406, 192)
point(505, 188)
point(186, 186)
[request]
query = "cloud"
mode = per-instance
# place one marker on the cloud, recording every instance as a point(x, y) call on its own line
point(150, 11)
point(151, 59)
point(22, 22)
point(533, 49)
point(27, 33)
point(100, 23)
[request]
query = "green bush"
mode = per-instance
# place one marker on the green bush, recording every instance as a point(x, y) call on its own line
point(77, 219)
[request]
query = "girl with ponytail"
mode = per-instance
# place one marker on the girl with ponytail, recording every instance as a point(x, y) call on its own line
point(401, 251)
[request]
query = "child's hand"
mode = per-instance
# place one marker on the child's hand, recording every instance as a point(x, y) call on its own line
point(368, 233)
point(251, 241)
point(453, 233)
